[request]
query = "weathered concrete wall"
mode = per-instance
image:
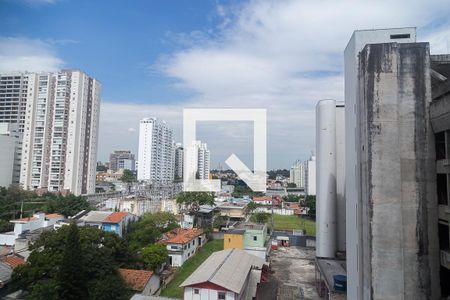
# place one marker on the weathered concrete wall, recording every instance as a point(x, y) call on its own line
point(396, 192)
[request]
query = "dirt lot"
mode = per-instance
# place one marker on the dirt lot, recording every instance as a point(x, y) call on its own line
point(293, 267)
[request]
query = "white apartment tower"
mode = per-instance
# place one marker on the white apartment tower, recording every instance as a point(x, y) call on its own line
point(297, 174)
point(156, 155)
point(310, 176)
point(60, 132)
point(198, 156)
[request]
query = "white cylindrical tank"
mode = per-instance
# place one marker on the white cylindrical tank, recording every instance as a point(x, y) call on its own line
point(326, 178)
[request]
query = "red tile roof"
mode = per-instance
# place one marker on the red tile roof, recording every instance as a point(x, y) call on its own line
point(180, 236)
point(50, 216)
point(263, 198)
point(135, 279)
point(13, 260)
point(115, 217)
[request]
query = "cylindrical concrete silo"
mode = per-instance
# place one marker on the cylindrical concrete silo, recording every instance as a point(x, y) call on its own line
point(326, 178)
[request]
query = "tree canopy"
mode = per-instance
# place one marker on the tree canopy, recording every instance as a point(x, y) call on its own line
point(154, 255)
point(128, 176)
point(260, 217)
point(11, 202)
point(291, 198)
point(193, 200)
point(310, 202)
point(94, 255)
point(149, 229)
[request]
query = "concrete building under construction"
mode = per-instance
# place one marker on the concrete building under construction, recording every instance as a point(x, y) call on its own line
point(397, 169)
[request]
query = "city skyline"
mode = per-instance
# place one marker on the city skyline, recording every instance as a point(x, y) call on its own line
point(211, 54)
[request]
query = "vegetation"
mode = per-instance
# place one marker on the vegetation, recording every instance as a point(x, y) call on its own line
point(251, 206)
point(283, 172)
point(291, 185)
point(128, 176)
point(294, 222)
point(244, 190)
point(220, 220)
point(173, 288)
point(291, 198)
point(260, 217)
point(149, 229)
point(101, 168)
point(11, 200)
point(192, 201)
point(310, 202)
point(75, 263)
point(71, 280)
point(154, 255)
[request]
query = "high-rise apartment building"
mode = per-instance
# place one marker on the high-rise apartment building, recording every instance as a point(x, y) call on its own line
point(178, 161)
point(13, 102)
point(198, 157)
point(156, 155)
point(310, 176)
point(10, 149)
point(122, 159)
point(297, 174)
point(60, 132)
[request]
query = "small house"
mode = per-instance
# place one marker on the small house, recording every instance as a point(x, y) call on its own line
point(182, 244)
point(145, 282)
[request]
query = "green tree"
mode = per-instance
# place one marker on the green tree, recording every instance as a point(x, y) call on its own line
point(250, 208)
point(128, 176)
point(154, 255)
point(101, 168)
point(149, 229)
point(220, 220)
point(291, 198)
point(310, 203)
point(291, 185)
point(260, 217)
point(71, 274)
point(102, 253)
point(66, 205)
point(192, 201)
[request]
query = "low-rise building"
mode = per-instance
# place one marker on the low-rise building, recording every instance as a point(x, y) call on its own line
point(145, 282)
point(108, 221)
point(233, 209)
point(264, 200)
point(226, 274)
point(233, 238)
point(182, 243)
point(28, 224)
point(249, 237)
point(118, 222)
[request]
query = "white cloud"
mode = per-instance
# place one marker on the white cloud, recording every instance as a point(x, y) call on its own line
point(280, 55)
point(22, 54)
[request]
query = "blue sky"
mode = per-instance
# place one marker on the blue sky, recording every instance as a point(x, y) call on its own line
point(155, 58)
point(112, 41)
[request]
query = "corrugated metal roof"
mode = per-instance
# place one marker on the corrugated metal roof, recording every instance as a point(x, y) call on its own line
point(96, 216)
point(227, 268)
